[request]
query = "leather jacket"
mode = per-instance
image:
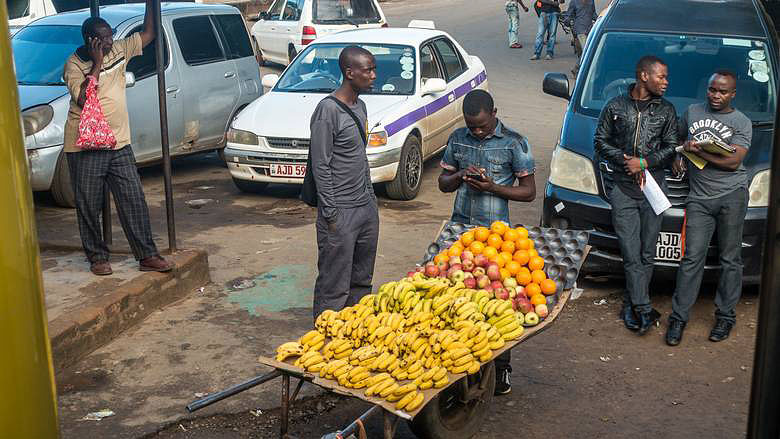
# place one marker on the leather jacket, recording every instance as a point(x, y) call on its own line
point(650, 134)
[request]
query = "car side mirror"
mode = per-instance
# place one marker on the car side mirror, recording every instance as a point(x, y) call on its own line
point(129, 79)
point(433, 86)
point(269, 81)
point(556, 84)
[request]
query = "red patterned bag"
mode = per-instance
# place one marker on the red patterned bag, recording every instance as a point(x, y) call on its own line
point(94, 131)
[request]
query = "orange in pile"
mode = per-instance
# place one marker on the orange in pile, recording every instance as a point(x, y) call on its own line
point(514, 253)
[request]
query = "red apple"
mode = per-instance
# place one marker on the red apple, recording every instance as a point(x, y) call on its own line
point(479, 271)
point(470, 275)
point(523, 304)
point(454, 260)
point(456, 275)
point(501, 293)
point(520, 291)
point(443, 266)
point(510, 283)
point(496, 284)
point(410, 273)
point(456, 267)
point(493, 272)
point(541, 310)
point(431, 270)
point(481, 260)
point(470, 282)
point(420, 269)
point(467, 254)
point(483, 281)
point(489, 289)
point(468, 265)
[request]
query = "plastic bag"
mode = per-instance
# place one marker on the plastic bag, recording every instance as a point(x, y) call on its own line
point(94, 131)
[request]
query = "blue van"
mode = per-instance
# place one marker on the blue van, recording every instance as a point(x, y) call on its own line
point(695, 38)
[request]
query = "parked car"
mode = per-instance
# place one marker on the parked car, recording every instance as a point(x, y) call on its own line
point(733, 35)
point(416, 102)
point(211, 74)
point(288, 26)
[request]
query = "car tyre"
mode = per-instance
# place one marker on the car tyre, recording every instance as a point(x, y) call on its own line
point(251, 187)
point(61, 186)
point(408, 179)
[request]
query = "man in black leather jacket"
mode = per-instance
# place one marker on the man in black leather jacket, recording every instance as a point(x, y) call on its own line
point(637, 132)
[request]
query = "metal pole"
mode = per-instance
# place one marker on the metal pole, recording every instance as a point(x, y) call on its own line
point(284, 421)
point(94, 8)
point(166, 153)
point(219, 396)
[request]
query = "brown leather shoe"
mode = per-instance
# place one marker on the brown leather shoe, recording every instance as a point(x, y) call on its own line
point(100, 268)
point(155, 263)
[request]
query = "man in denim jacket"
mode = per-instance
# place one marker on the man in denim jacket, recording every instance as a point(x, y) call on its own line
point(482, 163)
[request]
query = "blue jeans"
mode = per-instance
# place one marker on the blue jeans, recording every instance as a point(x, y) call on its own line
point(513, 14)
point(727, 215)
point(548, 23)
point(636, 226)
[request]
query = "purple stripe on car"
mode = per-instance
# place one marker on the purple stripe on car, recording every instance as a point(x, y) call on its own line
point(412, 117)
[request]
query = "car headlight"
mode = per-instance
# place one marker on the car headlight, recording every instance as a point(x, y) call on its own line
point(572, 171)
point(36, 118)
point(378, 138)
point(242, 137)
point(759, 189)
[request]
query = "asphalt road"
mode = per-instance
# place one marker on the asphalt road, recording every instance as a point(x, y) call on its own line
point(585, 377)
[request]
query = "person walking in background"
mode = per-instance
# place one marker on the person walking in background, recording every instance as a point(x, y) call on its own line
point(637, 131)
point(347, 214)
point(580, 16)
point(513, 14)
point(548, 11)
point(101, 64)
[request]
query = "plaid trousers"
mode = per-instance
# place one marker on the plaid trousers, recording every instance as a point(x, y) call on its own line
point(89, 172)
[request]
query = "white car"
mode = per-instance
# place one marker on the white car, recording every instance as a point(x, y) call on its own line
point(288, 26)
point(417, 101)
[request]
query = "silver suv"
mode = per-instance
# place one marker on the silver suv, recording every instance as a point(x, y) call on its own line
point(211, 73)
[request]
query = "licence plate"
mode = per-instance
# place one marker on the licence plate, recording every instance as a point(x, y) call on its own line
point(287, 170)
point(668, 247)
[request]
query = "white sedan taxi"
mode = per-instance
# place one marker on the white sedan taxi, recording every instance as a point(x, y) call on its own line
point(417, 100)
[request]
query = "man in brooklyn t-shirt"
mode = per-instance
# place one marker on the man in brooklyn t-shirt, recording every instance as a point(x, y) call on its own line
point(717, 201)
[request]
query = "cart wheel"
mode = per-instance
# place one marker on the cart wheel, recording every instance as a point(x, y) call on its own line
point(448, 416)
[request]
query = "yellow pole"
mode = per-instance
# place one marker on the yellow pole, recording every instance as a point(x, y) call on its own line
point(28, 400)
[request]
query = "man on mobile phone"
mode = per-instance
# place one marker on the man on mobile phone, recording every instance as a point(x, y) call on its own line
point(482, 162)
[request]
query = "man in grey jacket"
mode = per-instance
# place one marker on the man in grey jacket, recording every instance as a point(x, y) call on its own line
point(580, 16)
point(347, 215)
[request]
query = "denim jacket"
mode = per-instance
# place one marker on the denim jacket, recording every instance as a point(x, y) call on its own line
point(505, 155)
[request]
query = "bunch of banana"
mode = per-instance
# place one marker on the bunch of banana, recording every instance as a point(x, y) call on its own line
point(337, 348)
point(312, 341)
point(363, 356)
point(459, 359)
point(496, 307)
point(321, 322)
point(335, 369)
point(379, 383)
point(357, 378)
point(289, 349)
point(406, 397)
point(435, 377)
point(385, 362)
point(311, 361)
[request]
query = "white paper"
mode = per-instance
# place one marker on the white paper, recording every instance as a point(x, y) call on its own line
point(655, 196)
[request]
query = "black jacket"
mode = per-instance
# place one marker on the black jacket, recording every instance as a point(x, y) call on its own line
point(650, 134)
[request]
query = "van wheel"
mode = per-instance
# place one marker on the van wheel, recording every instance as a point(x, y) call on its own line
point(61, 187)
point(408, 179)
point(252, 187)
point(291, 54)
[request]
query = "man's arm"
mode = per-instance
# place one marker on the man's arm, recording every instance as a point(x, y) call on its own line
point(550, 2)
point(729, 162)
point(603, 138)
point(321, 151)
point(524, 191)
point(522, 5)
point(449, 181)
point(95, 50)
point(148, 34)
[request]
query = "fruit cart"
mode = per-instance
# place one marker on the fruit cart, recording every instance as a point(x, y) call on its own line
point(454, 409)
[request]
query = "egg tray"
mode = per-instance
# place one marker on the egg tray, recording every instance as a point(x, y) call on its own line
point(563, 251)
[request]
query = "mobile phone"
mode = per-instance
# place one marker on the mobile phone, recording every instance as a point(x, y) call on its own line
point(476, 176)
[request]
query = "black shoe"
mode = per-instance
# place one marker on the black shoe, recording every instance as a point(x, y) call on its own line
point(629, 317)
point(674, 332)
point(503, 382)
point(646, 320)
point(721, 330)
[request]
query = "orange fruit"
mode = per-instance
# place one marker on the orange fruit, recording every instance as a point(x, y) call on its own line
point(525, 269)
point(498, 227)
point(490, 252)
point(511, 235)
point(477, 247)
point(481, 234)
point(521, 256)
point(523, 244)
point(498, 260)
point(506, 255)
point(548, 287)
point(536, 263)
point(538, 276)
point(522, 233)
point(467, 238)
point(455, 250)
point(441, 257)
point(523, 277)
point(532, 290)
point(537, 299)
point(504, 273)
point(513, 267)
point(532, 252)
point(494, 240)
point(508, 246)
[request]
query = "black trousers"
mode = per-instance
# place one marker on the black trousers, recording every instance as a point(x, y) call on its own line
point(89, 172)
point(347, 252)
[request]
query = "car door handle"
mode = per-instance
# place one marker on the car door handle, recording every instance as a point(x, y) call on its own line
point(229, 74)
point(171, 90)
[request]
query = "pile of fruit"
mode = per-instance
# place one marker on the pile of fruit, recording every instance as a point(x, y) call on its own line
point(448, 316)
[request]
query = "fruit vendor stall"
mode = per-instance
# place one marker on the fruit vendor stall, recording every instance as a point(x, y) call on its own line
point(422, 348)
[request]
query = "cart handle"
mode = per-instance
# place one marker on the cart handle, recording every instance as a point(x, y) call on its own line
point(219, 396)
